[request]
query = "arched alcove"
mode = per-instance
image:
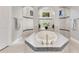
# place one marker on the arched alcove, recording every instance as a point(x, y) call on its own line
point(46, 16)
point(27, 18)
point(45, 12)
point(27, 11)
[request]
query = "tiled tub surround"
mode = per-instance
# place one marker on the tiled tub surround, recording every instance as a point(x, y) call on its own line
point(57, 45)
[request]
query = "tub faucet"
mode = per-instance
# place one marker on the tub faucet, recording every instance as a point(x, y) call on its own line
point(47, 39)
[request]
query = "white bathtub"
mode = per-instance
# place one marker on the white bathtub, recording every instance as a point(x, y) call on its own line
point(35, 41)
point(46, 37)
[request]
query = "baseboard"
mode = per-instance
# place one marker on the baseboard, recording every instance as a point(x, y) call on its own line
point(3, 48)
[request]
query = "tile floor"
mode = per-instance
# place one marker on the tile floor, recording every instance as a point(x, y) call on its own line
point(20, 47)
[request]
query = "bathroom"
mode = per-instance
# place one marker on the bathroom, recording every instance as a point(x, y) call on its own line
point(42, 29)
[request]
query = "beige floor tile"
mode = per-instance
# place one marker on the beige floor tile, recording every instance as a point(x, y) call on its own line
point(20, 47)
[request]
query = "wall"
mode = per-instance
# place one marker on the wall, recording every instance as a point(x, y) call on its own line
point(74, 14)
point(27, 24)
point(63, 23)
point(16, 13)
point(5, 26)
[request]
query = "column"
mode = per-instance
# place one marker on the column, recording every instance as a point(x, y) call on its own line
point(35, 18)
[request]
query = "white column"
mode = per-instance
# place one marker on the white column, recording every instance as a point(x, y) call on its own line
point(35, 18)
point(56, 19)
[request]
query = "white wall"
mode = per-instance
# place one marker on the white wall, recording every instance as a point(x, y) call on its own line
point(27, 24)
point(16, 12)
point(74, 14)
point(5, 26)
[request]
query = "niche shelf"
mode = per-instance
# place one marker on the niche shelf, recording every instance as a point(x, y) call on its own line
point(63, 13)
point(45, 18)
point(28, 12)
point(45, 13)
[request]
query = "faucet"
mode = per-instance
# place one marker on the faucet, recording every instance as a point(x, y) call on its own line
point(47, 39)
